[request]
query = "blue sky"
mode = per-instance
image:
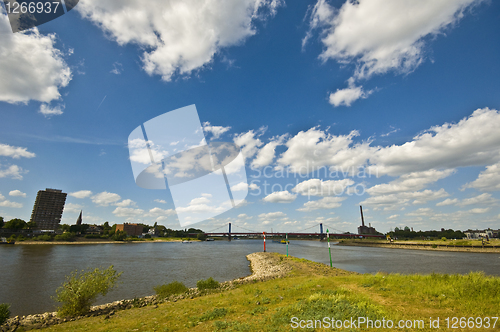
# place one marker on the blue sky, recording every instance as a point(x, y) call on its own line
point(406, 91)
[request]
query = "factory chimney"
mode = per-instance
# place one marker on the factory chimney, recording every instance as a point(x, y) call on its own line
point(362, 219)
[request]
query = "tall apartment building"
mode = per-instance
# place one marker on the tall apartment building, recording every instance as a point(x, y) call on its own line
point(48, 209)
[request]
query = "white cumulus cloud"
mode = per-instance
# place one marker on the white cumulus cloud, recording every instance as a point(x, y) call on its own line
point(348, 95)
point(216, 131)
point(17, 193)
point(280, 197)
point(31, 68)
point(49, 111)
point(105, 198)
point(317, 187)
point(380, 35)
point(178, 36)
point(13, 171)
point(81, 194)
point(15, 152)
point(324, 203)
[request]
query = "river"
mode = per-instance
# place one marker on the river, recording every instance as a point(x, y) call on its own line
point(30, 274)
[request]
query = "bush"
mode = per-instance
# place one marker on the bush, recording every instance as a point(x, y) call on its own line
point(81, 289)
point(210, 283)
point(4, 312)
point(201, 237)
point(119, 236)
point(92, 236)
point(65, 237)
point(443, 238)
point(44, 237)
point(175, 287)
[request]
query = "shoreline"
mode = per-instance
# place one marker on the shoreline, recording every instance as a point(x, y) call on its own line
point(421, 246)
point(93, 241)
point(263, 267)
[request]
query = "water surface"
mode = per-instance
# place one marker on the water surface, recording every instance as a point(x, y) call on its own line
point(30, 274)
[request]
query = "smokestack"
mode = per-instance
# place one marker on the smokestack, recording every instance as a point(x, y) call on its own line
point(362, 219)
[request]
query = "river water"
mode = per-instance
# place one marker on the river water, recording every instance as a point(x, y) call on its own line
point(30, 274)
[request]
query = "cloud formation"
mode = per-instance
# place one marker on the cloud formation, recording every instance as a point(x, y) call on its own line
point(179, 36)
point(15, 152)
point(379, 36)
point(13, 171)
point(324, 203)
point(81, 194)
point(39, 70)
point(280, 197)
point(17, 193)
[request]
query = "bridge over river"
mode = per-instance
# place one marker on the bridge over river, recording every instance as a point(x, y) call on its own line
point(304, 234)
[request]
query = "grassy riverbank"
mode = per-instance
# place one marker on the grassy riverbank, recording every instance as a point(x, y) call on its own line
point(313, 291)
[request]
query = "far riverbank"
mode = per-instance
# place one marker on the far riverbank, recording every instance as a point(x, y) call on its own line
point(428, 245)
point(101, 241)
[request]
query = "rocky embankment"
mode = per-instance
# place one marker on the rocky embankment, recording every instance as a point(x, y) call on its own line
point(264, 266)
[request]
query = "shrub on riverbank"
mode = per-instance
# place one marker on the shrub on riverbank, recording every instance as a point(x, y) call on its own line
point(65, 237)
point(81, 289)
point(210, 283)
point(173, 288)
point(4, 312)
point(44, 237)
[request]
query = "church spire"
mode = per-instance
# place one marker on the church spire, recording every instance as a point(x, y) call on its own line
point(79, 220)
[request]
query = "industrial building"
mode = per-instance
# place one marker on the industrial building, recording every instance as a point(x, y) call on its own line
point(48, 209)
point(365, 229)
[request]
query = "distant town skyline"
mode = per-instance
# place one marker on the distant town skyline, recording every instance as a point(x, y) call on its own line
point(398, 113)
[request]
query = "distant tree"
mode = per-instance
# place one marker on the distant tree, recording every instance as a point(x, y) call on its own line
point(15, 224)
point(106, 226)
point(1, 222)
point(65, 227)
point(201, 236)
point(31, 225)
point(145, 228)
point(78, 228)
point(119, 236)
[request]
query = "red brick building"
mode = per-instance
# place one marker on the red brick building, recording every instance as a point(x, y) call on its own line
point(130, 229)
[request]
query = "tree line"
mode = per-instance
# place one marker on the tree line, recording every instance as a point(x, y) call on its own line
point(407, 233)
point(105, 231)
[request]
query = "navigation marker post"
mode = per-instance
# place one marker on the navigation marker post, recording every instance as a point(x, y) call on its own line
point(329, 249)
point(286, 244)
point(264, 233)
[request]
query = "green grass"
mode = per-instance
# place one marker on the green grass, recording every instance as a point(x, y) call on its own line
point(313, 291)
